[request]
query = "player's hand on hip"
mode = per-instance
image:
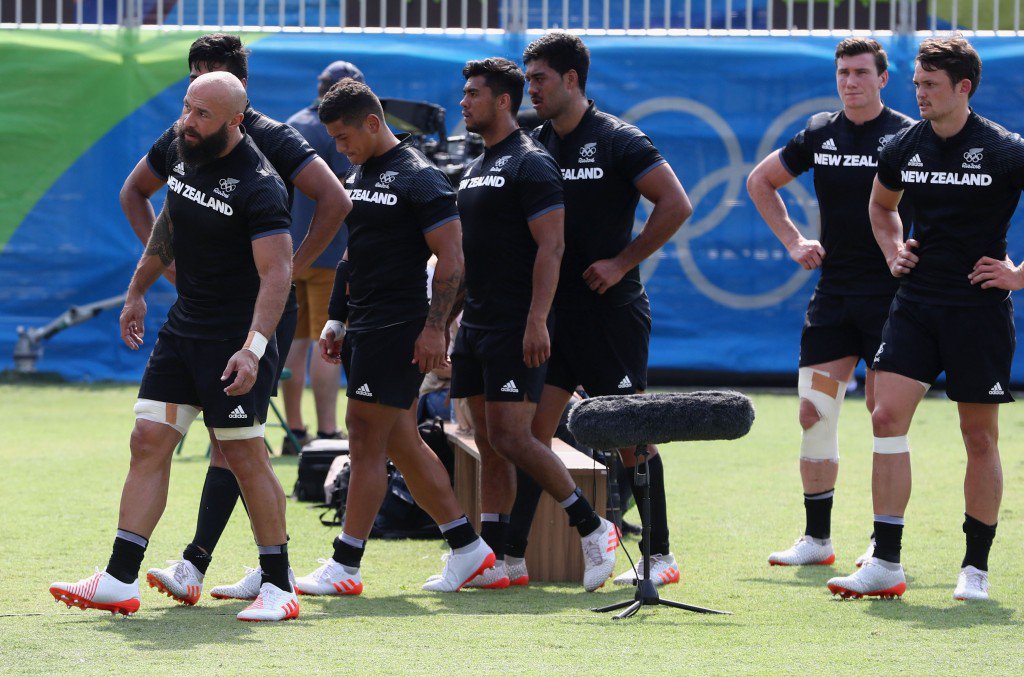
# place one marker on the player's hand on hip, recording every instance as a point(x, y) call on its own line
point(245, 365)
point(133, 321)
point(808, 253)
point(603, 275)
point(992, 274)
point(536, 344)
point(431, 350)
point(905, 260)
point(330, 341)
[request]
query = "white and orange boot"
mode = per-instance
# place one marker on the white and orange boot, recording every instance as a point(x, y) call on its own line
point(272, 604)
point(599, 555)
point(875, 578)
point(99, 591)
point(461, 568)
point(664, 570)
point(181, 581)
point(515, 569)
point(330, 579)
point(805, 551)
point(494, 578)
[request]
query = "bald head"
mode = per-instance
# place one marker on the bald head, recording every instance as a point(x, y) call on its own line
point(220, 89)
point(211, 115)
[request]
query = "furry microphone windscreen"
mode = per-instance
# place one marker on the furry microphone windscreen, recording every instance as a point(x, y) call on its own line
point(618, 421)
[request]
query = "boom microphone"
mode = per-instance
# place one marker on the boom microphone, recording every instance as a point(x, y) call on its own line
point(617, 421)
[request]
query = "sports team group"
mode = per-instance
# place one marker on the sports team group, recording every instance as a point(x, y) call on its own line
point(534, 251)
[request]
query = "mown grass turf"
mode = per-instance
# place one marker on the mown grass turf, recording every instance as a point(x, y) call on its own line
point(63, 451)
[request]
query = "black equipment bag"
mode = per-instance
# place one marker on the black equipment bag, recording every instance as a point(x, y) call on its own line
point(314, 461)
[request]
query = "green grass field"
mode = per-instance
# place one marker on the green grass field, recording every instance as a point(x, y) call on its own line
point(64, 454)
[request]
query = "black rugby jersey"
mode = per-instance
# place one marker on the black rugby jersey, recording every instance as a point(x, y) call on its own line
point(397, 198)
point(512, 183)
point(286, 149)
point(601, 161)
point(964, 191)
point(217, 209)
point(844, 157)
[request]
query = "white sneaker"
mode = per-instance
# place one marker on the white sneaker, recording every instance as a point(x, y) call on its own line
point(873, 579)
point(494, 578)
point(248, 587)
point(330, 579)
point(181, 581)
point(599, 555)
point(664, 570)
point(805, 550)
point(972, 584)
point(99, 591)
point(515, 569)
point(272, 604)
point(868, 554)
point(459, 569)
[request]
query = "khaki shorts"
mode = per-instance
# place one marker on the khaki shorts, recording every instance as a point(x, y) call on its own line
point(313, 289)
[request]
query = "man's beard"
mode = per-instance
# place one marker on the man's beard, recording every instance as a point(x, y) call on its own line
point(206, 149)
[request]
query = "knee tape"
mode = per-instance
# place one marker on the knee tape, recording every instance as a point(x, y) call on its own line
point(820, 442)
point(178, 416)
point(246, 433)
point(892, 445)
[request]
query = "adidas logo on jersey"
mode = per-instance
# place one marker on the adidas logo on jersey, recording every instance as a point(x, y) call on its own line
point(829, 144)
point(625, 382)
point(915, 161)
point(510, 387)
point(180, 168)
point(997, 389)
point(238, 412)
point(364, 390)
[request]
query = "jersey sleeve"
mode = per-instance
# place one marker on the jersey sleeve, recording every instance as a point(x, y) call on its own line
point(889, 167)
point(433, 199)
point(289, 152)
point(637, 155)
point(266, 209)
point(796, 155)
point(1017, 171)
point(540, 185)
point(160, 152)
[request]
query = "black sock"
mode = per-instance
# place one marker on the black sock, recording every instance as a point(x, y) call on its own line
point(199, 559)
point(348, 554)
point(979, 542)
point(220, 493)
point(581, 513)
point(126, 556)
point(494, 531)
point(274, 562)
point(521, 519)
point(659, 511)
point(888, 541)
point(818, 508)
point(458, 533)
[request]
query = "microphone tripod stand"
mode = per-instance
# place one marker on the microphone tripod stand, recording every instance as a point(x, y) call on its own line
point(646, 592)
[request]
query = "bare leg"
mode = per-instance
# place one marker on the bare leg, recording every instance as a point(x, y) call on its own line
point(369, 427)
point(896, 400)
point(497, 474)
point(983, 483)
point(260, 487)
point(292, 388)
point(144, 495)
point(422, 469)
point(325, 378)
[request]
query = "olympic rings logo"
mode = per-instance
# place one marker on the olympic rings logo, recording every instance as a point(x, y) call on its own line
point(734, 177)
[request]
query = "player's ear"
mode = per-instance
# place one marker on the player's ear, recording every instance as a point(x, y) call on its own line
point(236, 120)
point(372, 122)
point(884, 78)
point(571, 79)
point(964, 87)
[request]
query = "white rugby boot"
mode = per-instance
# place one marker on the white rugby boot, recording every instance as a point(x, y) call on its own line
point(664, 570)
point(805, 550)
point(494, 578)
point(460, 568)
point(330, 578)
point(181, 581)
point(272, 604)
point(599, 555)
point(972, 584)
point(875, 578)
point(247, 588)
point(515, 569)
point(99, 591)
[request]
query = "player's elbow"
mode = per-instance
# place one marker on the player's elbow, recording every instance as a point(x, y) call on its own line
point(130, 195)
point(756, 184)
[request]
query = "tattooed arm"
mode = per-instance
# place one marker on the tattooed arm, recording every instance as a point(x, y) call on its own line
point(158, 255)
point(432, 345)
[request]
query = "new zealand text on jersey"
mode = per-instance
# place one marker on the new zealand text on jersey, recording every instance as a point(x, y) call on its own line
point(363, 195)
point(477, 181)
point(831, 160)
point(198, 196)
point(946, 178)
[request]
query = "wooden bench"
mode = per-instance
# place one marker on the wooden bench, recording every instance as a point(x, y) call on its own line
point(554, 551)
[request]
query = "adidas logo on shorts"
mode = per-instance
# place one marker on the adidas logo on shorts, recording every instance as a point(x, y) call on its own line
point(997, 389)
point(510, 387)
point(915, 161)
point(364, 390)
point(830, 144)
point(238, 412)
point(625, 382)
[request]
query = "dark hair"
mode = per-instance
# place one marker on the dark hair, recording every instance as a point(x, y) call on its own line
point(855, 46)
point(220, 50)
point(954, 55)
point(350, 102)
point(502, 77)
point(564, 52)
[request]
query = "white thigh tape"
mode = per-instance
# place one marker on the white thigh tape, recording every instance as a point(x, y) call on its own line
point(246, 433)
point(820, 442)
point(178, 416)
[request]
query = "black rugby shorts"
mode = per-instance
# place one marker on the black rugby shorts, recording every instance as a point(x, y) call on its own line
point(842, 326)
point(490, 363)
point(380, 367)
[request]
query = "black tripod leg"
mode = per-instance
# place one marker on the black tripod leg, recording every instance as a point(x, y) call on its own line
point(690, 607)
point(633, 608)
point(613, 607)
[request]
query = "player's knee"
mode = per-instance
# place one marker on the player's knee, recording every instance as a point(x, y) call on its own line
point(886, 422)
point(147, 446)
point(506, 441)
point(808, 414)
point(821, 398)
point(979, 440)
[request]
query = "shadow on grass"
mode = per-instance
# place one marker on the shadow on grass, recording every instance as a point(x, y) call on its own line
point(817, 577)
point(925, 617)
